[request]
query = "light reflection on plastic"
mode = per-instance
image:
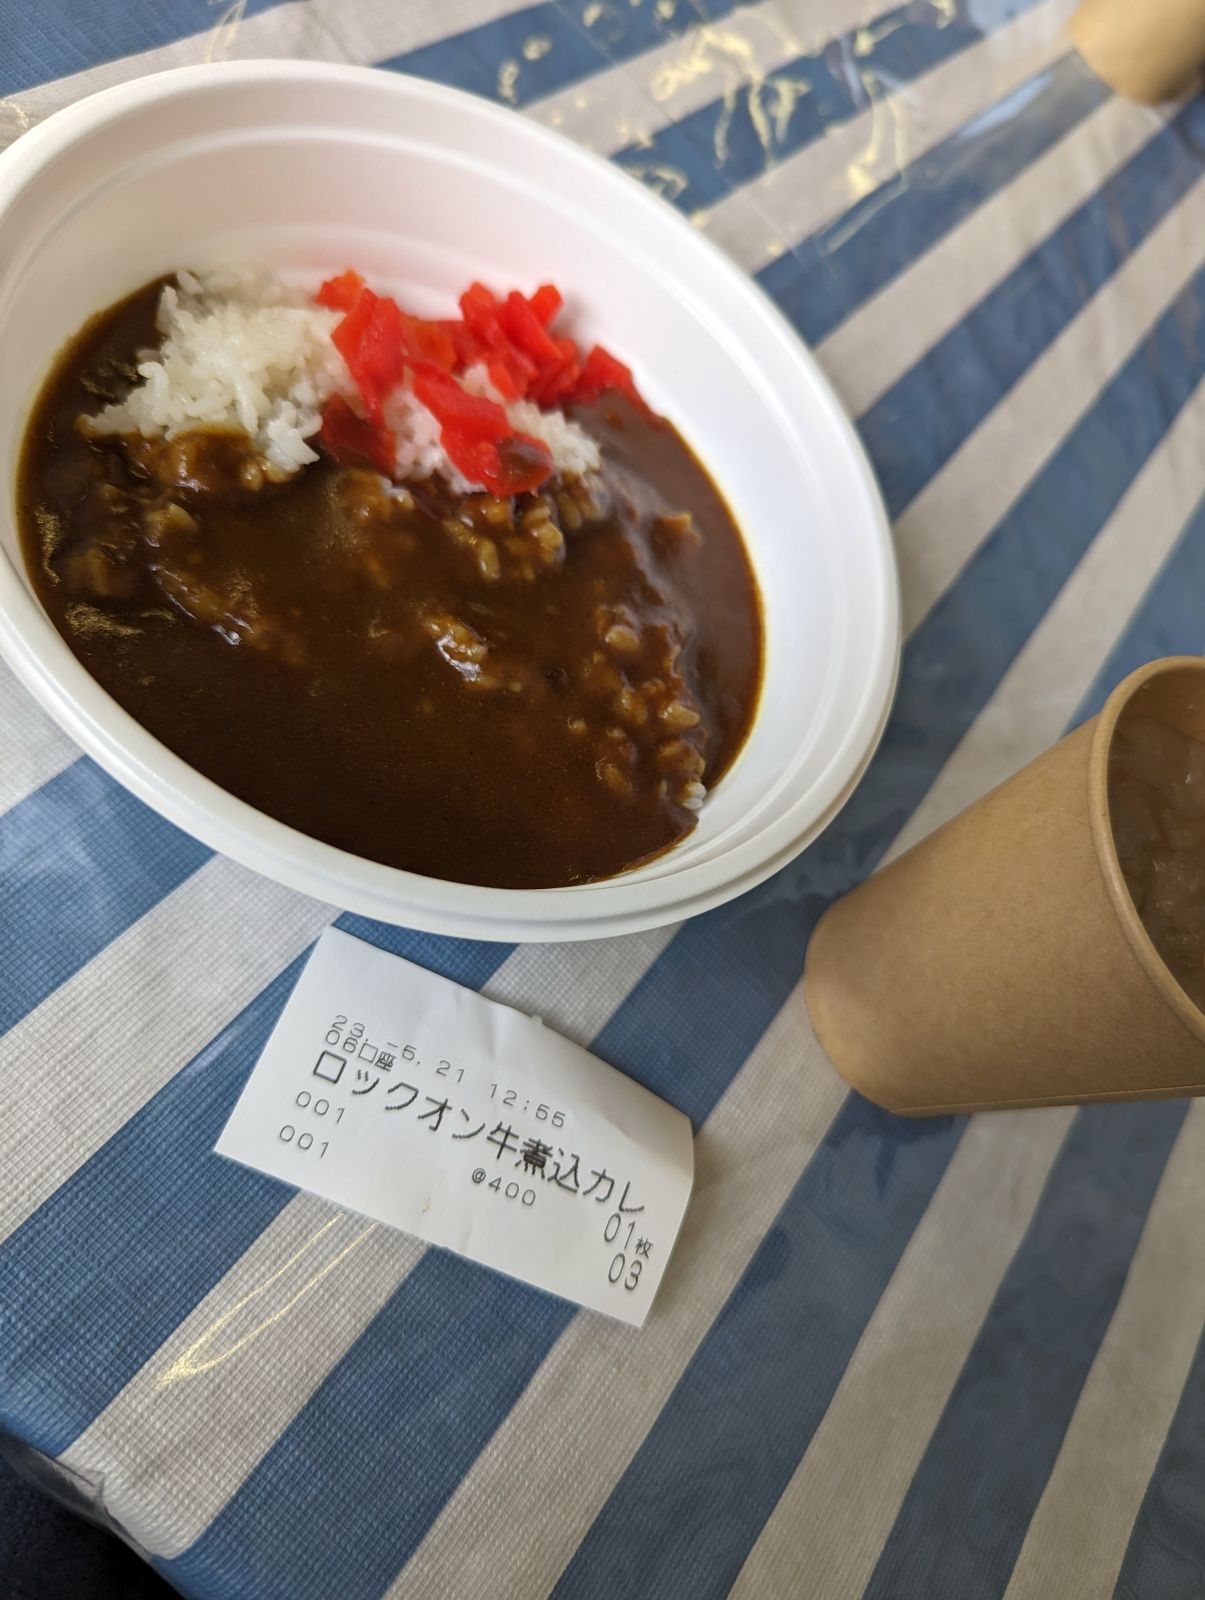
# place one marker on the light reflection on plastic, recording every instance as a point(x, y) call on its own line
point(865, 38)
point(192, 1362)
point(888, 127)
point(670, 182)
point(508, 77)
point(224, 30)
point(615, 27)
point(708, 50)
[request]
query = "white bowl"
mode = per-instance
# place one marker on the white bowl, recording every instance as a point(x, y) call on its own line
point(309, 167)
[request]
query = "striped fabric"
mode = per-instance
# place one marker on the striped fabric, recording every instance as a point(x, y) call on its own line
point(946, 1360)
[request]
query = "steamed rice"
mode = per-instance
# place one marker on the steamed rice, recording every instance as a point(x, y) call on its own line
point(242, 349)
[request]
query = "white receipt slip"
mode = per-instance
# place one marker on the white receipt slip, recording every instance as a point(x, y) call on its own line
point(399, 1094)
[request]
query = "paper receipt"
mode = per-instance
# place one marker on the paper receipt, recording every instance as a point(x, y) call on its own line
point(399, 1094)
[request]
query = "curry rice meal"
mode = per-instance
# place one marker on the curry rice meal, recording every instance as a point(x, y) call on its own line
point(445, 594)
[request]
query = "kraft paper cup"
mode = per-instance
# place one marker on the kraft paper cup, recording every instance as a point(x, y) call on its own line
point(1001, 961)
point(1147, 50)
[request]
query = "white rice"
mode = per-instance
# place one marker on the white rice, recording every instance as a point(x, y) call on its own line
point(240, 349)
point(243, 349)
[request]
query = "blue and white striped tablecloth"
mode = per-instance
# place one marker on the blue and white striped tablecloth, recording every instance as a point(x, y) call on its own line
point(943, 1360)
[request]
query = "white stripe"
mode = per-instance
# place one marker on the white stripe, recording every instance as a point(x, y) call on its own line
point(90, 1059)
point(576, 988)
point(1058, 664)
point(550, 1466)
point(942, 528)
point(892, 331)
point(534, 1524)
point(839, 1507)
point(324, 30)
point(1078, 1536)
point(164, 1496)
point(627, 104)
point(32, 749)
point(789, 201)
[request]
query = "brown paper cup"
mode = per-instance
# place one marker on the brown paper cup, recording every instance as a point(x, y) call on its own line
point(1001, 962)
point(1147, 50)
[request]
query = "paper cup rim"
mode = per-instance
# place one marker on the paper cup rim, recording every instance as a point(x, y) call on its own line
point(1100, 820)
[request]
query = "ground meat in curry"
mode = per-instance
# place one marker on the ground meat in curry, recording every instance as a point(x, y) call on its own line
point(517, 693)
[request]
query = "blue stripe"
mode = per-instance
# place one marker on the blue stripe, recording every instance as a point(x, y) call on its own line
point(826, 277)
point(991, 1453)
point(51, 39)
point(685, 1035)
point(80, 861)
point(534, 52)
point(1163, 1560)
point(153, 1220)
point(950, 667)
point(914, 429)
point(735, 138)
point(1173, 622)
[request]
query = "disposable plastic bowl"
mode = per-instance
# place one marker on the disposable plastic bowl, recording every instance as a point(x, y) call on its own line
point(310, 167)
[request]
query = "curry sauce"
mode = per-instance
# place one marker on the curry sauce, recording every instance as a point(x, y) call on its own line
point(518, 693)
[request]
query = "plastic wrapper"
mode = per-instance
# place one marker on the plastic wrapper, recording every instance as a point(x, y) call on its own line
point(949, 1357)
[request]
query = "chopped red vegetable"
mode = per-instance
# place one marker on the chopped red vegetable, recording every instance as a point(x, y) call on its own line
point(602, 371)
point(339, 293)
point(351, 439)
point(463, 342)
point(371, 340)
point(479, 308)
point(507, 376)
point(511, 338)
point(525, 331)
point(512, 465)
point(524, 464)
point(449, 403)
point(510, 371)
point(428, 341)
point(546, 302)
point(558, 378)
point(479, 438)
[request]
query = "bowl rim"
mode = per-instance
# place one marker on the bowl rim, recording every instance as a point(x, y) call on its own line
point(622, 904)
